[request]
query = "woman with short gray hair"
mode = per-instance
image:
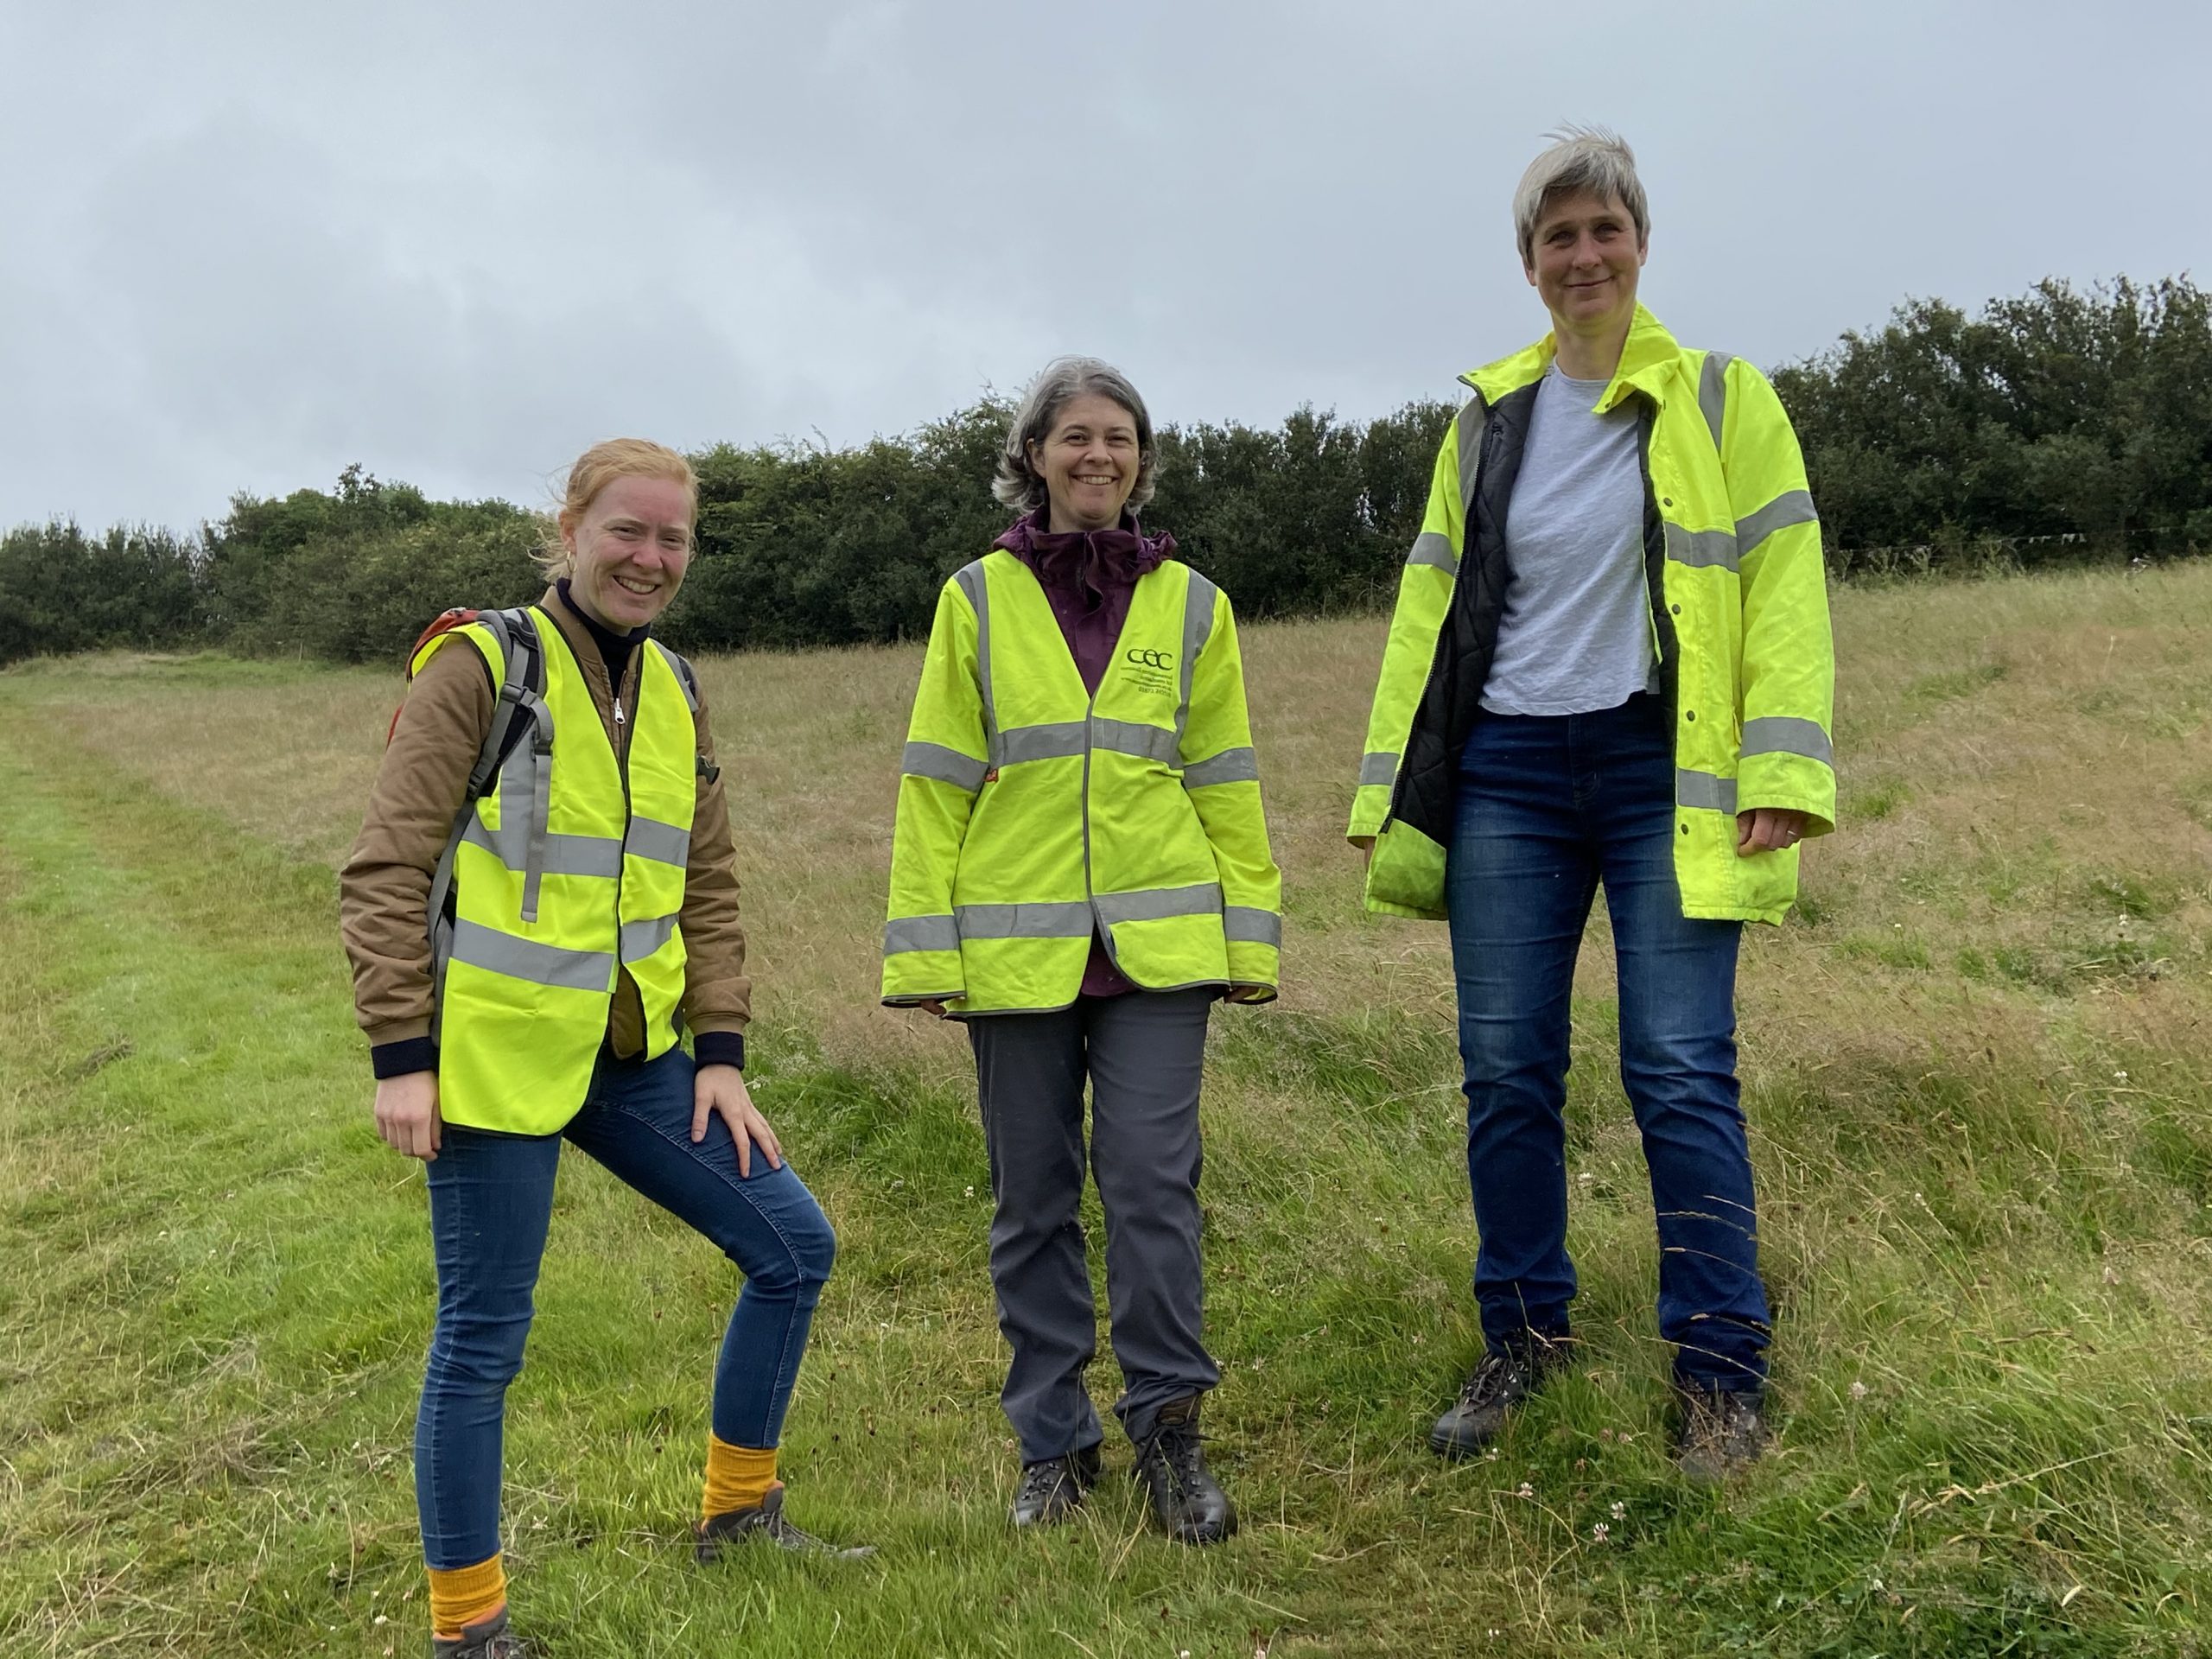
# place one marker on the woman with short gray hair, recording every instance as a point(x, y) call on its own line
point(1080, 870)
point(1610, 665)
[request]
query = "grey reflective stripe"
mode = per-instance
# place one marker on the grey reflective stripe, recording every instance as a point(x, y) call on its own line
point(1704, 789)
point(1377, 768)
point(1071, 921)
point(1433, 547)
point(1470, 452)
point(1134, 737)
point(1702, 547)
point(946, 765)
point(1790, 507)
point(1787, 735)
point(1049, 743)
point(1197, 625)
point(919, 933)
point(1156, 904)
point(541, 964)
point(1712, 391)
point(1230, 766)
point(1242, 925)
point(684, 677)
point(641, 939)
point(978, 589)
point(599, 855)
point(662, 843)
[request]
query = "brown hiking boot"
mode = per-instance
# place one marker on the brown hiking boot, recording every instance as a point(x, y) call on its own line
point(1186, 1500)
point(1499, 1381)
point(1722, 1432)
point(491, 1639)
point(765, 1519)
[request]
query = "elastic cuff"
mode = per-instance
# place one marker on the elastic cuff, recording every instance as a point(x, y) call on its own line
point(719, 1048)
point(399, 1059)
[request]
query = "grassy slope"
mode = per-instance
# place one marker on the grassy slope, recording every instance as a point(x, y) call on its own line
point(1977, 1073)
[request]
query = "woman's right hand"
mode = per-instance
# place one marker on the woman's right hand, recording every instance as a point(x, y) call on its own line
point(407, 1114)
point(934, 1007)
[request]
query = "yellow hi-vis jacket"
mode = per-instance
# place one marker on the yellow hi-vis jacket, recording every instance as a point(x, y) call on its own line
point(1739, 624)
point(1032, 814)
point(568, 870)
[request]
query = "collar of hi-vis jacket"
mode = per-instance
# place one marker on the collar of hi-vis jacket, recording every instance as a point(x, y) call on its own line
point(1649, 357)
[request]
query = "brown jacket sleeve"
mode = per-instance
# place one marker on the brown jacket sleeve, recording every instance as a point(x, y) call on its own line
point(717, 995)
point(384, 889)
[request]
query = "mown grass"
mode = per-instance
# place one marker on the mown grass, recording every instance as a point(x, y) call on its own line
point(1978, 1071)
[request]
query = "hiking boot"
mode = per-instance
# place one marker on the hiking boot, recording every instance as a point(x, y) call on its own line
point(765, 1519)
point(1722, 1432)
point(491, 1639)
point(1186, 1500)
point(1051, 1488)
point(1499, 1381)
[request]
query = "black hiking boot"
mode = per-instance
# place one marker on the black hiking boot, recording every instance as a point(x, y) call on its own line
point(1051, 1488)
point(765, 1519)
point(1722, 1432)
point(1499, 1381)
point(1186, 1500)
point(490, 1639)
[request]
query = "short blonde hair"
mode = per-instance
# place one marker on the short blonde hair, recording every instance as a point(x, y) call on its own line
point(1593, 159)
point(593, 471)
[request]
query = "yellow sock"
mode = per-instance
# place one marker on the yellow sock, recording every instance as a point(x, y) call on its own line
point(463, 1596)
point(738, 1478)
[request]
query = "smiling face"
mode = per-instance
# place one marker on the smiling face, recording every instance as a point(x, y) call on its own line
point(1089, 462)
point(631, 547)
point(1587, 256)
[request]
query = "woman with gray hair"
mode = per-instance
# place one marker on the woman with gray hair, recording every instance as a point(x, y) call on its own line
point(1080, 869)
point(1610, 665)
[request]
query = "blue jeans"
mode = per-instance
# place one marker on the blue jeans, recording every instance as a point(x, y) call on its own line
point(491, 1202)
point(1550, 806)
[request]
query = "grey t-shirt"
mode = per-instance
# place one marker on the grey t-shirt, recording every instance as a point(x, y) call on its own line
point(1576, 632)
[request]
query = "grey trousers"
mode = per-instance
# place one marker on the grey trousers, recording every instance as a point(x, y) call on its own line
point(1142, 1051)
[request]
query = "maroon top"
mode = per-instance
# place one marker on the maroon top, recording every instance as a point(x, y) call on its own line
point(1087, 577)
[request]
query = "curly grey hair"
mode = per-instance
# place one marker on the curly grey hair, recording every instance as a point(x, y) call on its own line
point(1593, 159)
point(1063, 381)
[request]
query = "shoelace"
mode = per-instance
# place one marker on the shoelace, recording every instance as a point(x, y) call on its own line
point(1176, 1446)
point(1492, 1376)
point(1040, 1479)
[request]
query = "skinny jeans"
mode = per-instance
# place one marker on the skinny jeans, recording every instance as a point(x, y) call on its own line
point(1142, 1051)
point(1550, 807)
point(490, 1204)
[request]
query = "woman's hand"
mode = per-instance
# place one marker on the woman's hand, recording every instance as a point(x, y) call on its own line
point(407, 1114)
point(721, 1089)
point(1768, 829)
point(934, 1007)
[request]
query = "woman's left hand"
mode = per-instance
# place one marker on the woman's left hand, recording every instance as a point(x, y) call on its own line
point(1241, 993)
point(1768, 829)
point(720, 1090)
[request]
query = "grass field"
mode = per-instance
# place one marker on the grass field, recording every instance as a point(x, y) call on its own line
point(1979, 1074)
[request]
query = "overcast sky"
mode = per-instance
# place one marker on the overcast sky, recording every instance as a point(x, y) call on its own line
point(244, 245)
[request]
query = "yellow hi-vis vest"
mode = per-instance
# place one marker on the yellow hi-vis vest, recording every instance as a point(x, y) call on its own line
point(1032, 814)
point(569, 869)
point(1740, 625)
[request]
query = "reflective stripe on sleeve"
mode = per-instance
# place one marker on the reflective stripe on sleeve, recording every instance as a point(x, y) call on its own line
point(526, 959)
point(1790, 507)
point(963, 772)
point(1377, 766)
point(1230, 766)
point(974, 583)
point(1198, 627)
point(1243, 925)
point(905, 933)
point(1787, 735)
point(1705, 789)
